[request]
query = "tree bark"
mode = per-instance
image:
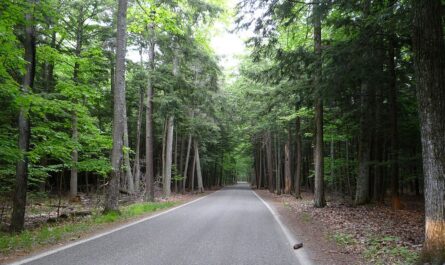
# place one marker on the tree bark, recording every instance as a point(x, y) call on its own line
point(277, 166)
point(74, 118)
point(187, 157)
point(149, 162)
point(332, 153)
point(378, 195)
point(192, 182)
point(164, 141)
point(364, 153)
point(260, 167)
point(319, 199)
point(429, 51)
point(287, 170)
point(168, 157)
point(298, 157)
point(112, 196)
point(394, 136)
point(269, 161)
point(74, 156)
point(21, 182)
point(137, 159)
point(198, 166)
point(127, 165)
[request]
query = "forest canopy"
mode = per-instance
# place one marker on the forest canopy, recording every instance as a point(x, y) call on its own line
point(336, 98)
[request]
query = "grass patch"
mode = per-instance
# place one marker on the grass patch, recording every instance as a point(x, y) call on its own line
point(343, 239)
point(73, 229)
point(141, 208)
point(382, 249)
point(305, 217)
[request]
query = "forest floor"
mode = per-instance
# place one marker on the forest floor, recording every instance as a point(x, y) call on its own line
point(342, 234)
point(44, 231)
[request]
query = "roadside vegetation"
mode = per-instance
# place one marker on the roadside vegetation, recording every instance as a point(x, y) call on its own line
point(116, 100)
point(72, 228)
point(345, 100)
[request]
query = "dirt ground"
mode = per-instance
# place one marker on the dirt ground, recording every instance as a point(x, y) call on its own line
point(311, 233)
point(342, 234)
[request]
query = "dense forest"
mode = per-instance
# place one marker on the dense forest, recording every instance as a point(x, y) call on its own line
point(128, 98)
point(344, 97)
point(72, 101)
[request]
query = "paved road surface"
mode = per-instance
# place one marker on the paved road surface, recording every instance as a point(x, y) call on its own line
point(228, 227)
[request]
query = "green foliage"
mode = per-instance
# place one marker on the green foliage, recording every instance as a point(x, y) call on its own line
point(382, 249)
point(305, 217)
point(51, 234)
point(343, 239)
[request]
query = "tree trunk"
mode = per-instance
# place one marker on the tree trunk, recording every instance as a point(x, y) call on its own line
point(287, 171)
point(260, 167)
point(21, 183)
point(74, 118)
point(269, 161)
point(198, 167)
point(189, 145)
point(277, 166)
point(348, 175)
point(298, 158)
point(168, 157)
point(164, 141)
point(319, 199)
point(332, 164)
point(127, 165)
point(378, 142)
point(112, 196)
point(429, 50)
point(74, 156)
point(137, 158)
point(364, 153)
point(192, 182)
point(149, 162)
point(394, 137)
point(175, 162)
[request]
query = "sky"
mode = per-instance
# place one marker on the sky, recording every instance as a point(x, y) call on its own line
point(228, 46)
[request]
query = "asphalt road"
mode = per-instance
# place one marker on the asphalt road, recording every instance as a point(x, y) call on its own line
point(229, 227)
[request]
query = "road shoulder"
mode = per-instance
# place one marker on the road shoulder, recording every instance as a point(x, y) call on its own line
point(16, 257)
point(313, 234)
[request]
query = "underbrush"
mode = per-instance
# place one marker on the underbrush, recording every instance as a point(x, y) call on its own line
point(72, 229)
point(381, 250)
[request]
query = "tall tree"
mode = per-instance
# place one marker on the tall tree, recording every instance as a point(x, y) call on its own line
point(137, 158)
point(287, 168)
point(429, 50)
point(127, 166)
point(74, 118)
point(149, 162)
point(198, 166)
point(21, 184)
point(269, 160)
point(394, 137)
point(319, 199)
point(170, 126)
point(168, 157)
point(298, 158)
point(112, 196)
